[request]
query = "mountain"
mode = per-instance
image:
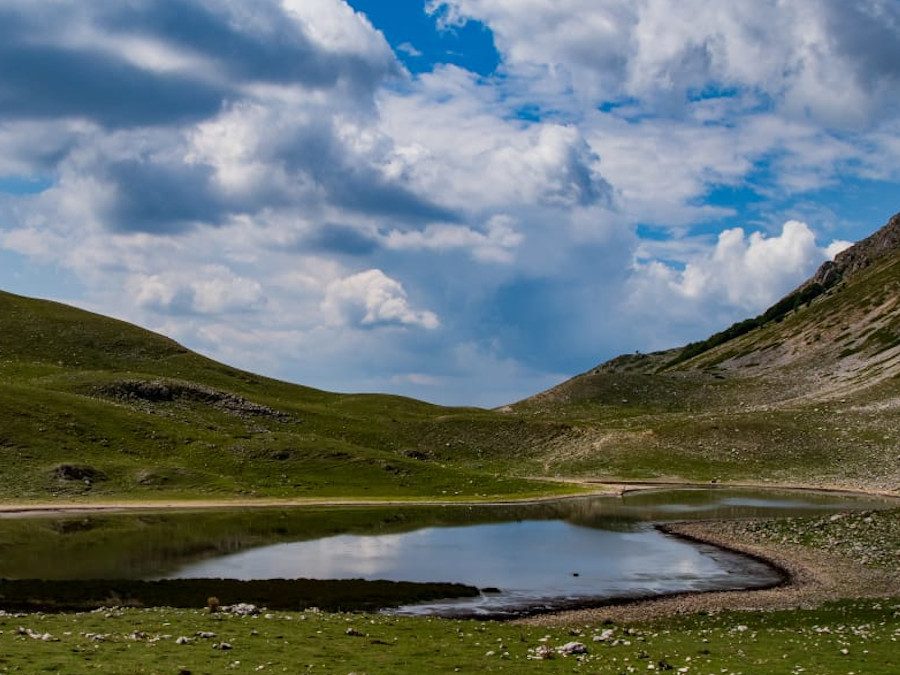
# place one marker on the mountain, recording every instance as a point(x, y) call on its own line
point(809, 387)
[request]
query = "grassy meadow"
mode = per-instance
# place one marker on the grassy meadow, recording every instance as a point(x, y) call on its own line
point(843, 637)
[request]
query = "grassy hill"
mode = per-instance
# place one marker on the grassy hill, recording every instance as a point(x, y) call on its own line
point(91, 407)
point(808, 390)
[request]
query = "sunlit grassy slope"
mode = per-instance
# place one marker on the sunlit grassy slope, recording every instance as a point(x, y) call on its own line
point(91, 406)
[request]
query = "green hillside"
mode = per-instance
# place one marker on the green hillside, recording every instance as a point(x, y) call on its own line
point(808, 391)
point(94, 407)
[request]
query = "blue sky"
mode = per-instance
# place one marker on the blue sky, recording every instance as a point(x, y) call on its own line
point(465, 201)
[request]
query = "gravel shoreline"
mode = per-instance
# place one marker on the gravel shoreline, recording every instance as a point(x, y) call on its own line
point(811, 576)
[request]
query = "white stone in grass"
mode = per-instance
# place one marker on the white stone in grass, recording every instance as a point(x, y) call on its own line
point(572, 648)
point(543, 652)
point(604, 636)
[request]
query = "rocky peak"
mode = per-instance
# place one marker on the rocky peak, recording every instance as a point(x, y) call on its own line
point(861, 255)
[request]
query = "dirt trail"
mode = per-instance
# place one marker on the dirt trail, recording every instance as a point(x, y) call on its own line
point(595, 488)
point(25, 509)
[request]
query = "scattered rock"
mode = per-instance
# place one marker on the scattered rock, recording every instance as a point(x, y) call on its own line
point(35, 635)
point(78, 472)
point(572, 648)
point(544, 653)
point(241, 609)
point(604, 635)
point(163, 391)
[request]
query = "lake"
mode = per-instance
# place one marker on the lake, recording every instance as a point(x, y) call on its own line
point(528, 557)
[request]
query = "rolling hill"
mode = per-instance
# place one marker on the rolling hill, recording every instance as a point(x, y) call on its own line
point(92, 407)
point(807, 392)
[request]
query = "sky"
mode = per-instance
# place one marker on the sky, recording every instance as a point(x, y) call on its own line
point(464, 201)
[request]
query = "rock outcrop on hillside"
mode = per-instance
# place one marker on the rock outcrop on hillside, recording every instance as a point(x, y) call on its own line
point(860, 256)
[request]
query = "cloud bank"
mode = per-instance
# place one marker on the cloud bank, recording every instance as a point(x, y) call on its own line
point(271, 185)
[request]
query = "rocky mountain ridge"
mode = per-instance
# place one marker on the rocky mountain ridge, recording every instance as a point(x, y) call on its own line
point(842, 324)
point(861, 255)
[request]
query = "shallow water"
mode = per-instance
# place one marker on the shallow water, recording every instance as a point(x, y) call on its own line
point(549, 555)
point(546, 563)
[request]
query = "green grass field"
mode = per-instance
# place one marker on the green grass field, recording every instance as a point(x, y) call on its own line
point(845, 637)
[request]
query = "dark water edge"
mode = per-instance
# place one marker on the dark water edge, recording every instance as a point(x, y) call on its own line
point(346, 595)
point(777, 577)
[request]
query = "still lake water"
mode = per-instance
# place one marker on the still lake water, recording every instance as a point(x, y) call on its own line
point(549, 555)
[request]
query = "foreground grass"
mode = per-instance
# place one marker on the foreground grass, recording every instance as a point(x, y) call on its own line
point(845, 637)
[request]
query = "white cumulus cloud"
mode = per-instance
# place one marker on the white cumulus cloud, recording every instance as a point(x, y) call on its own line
point(372, 298)
point(208, 290)
point(829, 59)
point(749, 272)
